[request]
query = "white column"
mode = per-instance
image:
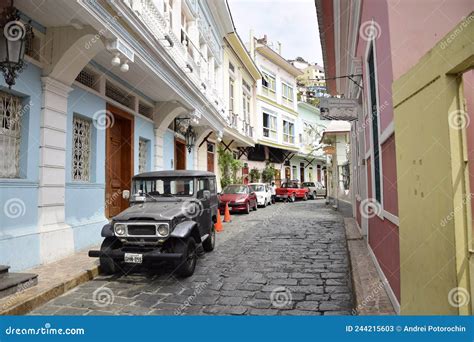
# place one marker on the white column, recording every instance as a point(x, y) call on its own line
point(56, 237)
point(159, 145)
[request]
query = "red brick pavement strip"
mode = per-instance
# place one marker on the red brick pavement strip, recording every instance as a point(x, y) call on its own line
point(54, 279)
point(369, 292)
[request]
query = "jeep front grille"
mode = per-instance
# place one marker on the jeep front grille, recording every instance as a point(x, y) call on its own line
point(141, 230)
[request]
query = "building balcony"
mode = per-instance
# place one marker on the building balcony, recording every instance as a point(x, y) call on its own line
point(181, 49)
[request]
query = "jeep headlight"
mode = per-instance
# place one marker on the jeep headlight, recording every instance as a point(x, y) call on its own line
point(120, 229)
point(242, 200)
point(163, 230)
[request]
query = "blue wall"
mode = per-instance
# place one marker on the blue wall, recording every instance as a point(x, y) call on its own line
point(19, 243)
point(168, 150)
point(85, 201)
point(144, 129)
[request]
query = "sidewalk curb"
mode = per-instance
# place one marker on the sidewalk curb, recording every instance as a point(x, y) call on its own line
point(39, 299)
point(370, 296)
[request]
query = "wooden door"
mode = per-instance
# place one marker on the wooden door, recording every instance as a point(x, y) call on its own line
point(302, 172)
point(210, 157)
point(180, 155)
point(118, 160)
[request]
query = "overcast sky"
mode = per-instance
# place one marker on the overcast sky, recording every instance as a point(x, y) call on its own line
point(292, 22)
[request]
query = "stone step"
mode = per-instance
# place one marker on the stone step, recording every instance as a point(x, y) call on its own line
point(4, 269)
point(11, 283)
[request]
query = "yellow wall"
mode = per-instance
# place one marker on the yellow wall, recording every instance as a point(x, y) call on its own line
point(431, 180)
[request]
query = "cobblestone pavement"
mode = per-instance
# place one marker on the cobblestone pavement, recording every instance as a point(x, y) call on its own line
point(286, 259)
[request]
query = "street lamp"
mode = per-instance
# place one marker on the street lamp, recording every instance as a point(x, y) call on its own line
point(12, 43)
point(190, 137)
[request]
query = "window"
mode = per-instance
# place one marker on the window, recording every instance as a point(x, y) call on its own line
point(269, 126)
point(375, 124)
point(288, 132)
point(81, 149)
point(246, 106)
point(210, 147)
point(268, 85)
point(231, 95)
point(10, 135)
point(287, 94)
point(142, 155)
point(231, 67)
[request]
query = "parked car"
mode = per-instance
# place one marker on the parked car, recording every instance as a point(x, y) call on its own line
point(315, 189)
point(171, 215)
point(292, 190)
point(263, 192)
point(239, 197)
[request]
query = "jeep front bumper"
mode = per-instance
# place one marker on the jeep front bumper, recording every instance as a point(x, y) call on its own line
point(148, 256)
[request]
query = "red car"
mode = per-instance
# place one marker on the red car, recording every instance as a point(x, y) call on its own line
point(240, 197)
point(291, 190)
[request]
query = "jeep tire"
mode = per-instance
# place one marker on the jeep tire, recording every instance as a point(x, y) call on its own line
point(187, 263)
point(210, 242)
point(107, 264)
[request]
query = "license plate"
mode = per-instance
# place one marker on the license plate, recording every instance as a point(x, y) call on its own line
point(133, 258)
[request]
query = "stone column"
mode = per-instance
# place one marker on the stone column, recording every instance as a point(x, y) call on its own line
point(56, 237)
point(159, 146)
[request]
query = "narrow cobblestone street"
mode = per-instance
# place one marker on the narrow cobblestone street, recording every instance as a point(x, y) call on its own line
point(286, 259)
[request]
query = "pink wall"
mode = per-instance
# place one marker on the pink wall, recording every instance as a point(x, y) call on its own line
point(416, 26)
point(377, 11)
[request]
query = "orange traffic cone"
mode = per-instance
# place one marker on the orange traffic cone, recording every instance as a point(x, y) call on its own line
point(218, 225)
point(227, 217)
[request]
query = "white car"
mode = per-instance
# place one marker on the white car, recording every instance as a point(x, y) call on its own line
point(263, 192)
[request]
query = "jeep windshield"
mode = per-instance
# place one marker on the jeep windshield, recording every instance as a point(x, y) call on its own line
point(257, 188)
point(153, 189)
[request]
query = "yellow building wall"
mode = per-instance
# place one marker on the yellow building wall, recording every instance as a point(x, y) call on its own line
point(432, 185)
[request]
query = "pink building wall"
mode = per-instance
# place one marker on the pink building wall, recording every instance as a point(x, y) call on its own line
point(383, 235)
point(416, 26)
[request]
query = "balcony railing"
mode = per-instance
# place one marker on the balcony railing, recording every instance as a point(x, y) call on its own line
point(184, 52)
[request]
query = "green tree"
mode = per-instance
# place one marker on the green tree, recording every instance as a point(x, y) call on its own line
point(268, 173)
point(254, 175)
point(228, 166)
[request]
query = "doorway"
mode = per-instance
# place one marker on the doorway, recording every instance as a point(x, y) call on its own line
point(210, 156)
point(302, 173)
point(180, 154)
point(118, 159)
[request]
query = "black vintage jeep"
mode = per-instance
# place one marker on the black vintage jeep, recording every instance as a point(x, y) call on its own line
point(171, 217)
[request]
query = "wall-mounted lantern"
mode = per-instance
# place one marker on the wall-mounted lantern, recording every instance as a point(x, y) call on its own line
point(13, 39)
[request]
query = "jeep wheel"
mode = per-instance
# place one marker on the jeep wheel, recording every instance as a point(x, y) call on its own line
point(256, 206)
point(247, 208)
point(107, 264)
point(315, 195)
point(305, 197)
point(210, 242)
point(293, 197)
point(187, 264)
